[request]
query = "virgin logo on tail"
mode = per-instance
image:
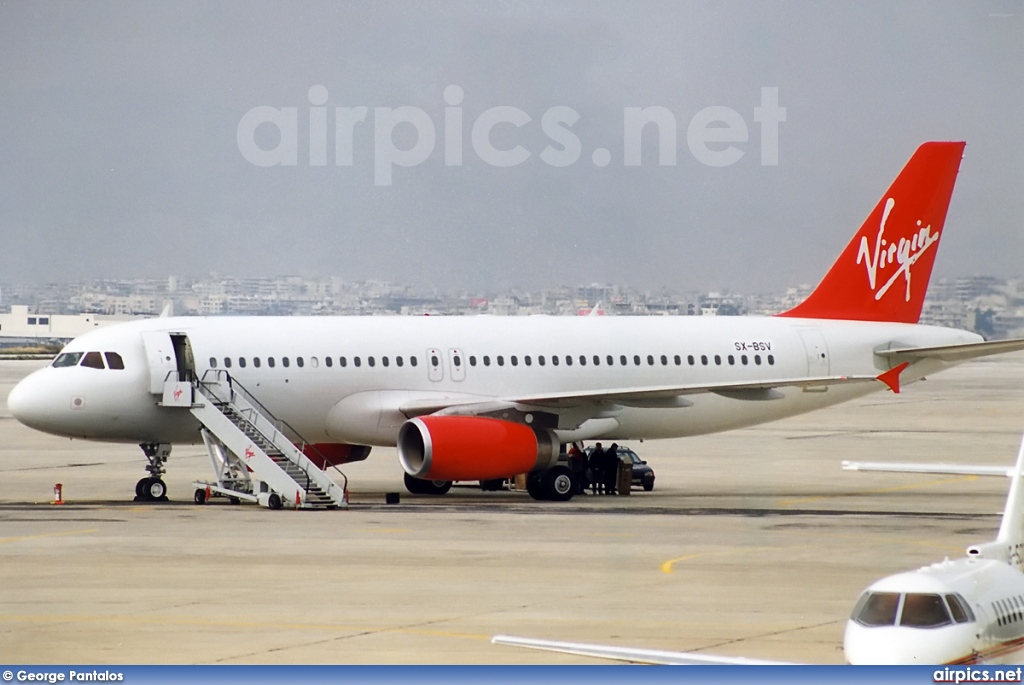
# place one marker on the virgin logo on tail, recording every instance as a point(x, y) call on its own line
point(905, 253)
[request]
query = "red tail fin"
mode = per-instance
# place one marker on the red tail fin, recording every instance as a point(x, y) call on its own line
point(882, 275)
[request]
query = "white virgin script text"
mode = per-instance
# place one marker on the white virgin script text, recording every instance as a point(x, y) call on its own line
point(905, 252)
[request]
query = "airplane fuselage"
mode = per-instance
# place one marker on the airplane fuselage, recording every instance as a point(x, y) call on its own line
point(346, 379)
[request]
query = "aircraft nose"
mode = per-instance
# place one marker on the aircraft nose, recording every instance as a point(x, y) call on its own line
point(27, 403)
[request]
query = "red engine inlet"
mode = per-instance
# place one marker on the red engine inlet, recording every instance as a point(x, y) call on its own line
point(473, 448)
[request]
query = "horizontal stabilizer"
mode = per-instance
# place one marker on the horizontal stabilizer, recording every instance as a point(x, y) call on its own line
point(635, 656)
point(942, 469)
point(954, 353)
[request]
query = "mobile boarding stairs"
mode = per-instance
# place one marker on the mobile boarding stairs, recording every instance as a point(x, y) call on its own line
point(255, 456)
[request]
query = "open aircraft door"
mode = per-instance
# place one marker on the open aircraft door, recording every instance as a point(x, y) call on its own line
point(161, 358)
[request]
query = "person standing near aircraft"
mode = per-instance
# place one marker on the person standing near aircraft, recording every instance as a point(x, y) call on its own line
point(578, 466)
point(596, 464)
point(611, 469)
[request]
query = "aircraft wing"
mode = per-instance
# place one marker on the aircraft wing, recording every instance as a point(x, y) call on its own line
point(943, 469)
point(954, 353)
point(751, 390)
point(650, 396)
point(631, 655)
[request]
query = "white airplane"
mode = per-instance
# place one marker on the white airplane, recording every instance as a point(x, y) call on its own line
point(477, 398)
point(968, 611)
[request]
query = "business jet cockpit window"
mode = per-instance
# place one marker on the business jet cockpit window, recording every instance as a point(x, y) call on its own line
point(911, 610)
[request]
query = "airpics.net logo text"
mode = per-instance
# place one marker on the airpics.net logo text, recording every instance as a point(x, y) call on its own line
point(715, 136)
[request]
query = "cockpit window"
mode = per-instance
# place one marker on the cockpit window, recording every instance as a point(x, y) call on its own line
point(114, 361)
point(960, 609)
point(924, 611)
point(67, 359)
point(93, 360)
point(877, 609)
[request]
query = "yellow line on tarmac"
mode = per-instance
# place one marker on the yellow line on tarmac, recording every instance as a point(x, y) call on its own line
point(47, 535)
point(880, 491)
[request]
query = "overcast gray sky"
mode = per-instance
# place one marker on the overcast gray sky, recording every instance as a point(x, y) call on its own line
point(119, 152)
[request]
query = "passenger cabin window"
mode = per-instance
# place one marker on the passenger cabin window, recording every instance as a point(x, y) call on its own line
point(342, 362)
point(401, 362)
point(270, 362)
point(540, 359)
point(256, 362)
point(385, 362)
point(568, 360)
point(114, 361)
point(314, 362)
point(67, 359)
point(413, 361)
point(356, 361)
point(501, 360)
point(284, 362)
point(299, 362)
point(329, 361)
point(227, 362)
point(515, 360)
point(487, 360)
point(241, 362)
point(371, 361)
point(93, 360)
point(622, 359)
point(213, 362)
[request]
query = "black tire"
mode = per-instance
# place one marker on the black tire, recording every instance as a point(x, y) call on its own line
point(437, 487)
point(413, 485)
point(418, 486)
point(155, 490)
point(649, 485)
point(234, 500)
point(200, 496)
point(535, 486)
point(274, 501)
point(559, 484)
point(140, 489)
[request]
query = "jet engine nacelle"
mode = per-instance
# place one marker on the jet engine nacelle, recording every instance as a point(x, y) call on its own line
point(473, 448)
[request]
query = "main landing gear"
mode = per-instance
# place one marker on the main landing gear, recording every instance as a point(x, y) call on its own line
point(557, 484)
point(153, 489)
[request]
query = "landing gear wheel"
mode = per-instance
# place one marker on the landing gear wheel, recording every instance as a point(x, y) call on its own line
point(492, 484)
point(437, 487)
point(274, 501)
point(418, 486)
point(154, 490)
point(200, 496)
point(559, 484)
point(535, 486)
point(414, 485)
point(140, 489)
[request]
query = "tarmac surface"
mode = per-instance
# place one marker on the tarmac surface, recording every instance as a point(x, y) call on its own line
point(753, 543)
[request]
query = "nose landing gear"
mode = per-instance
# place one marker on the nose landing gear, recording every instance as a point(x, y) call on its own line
point(153, 489)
